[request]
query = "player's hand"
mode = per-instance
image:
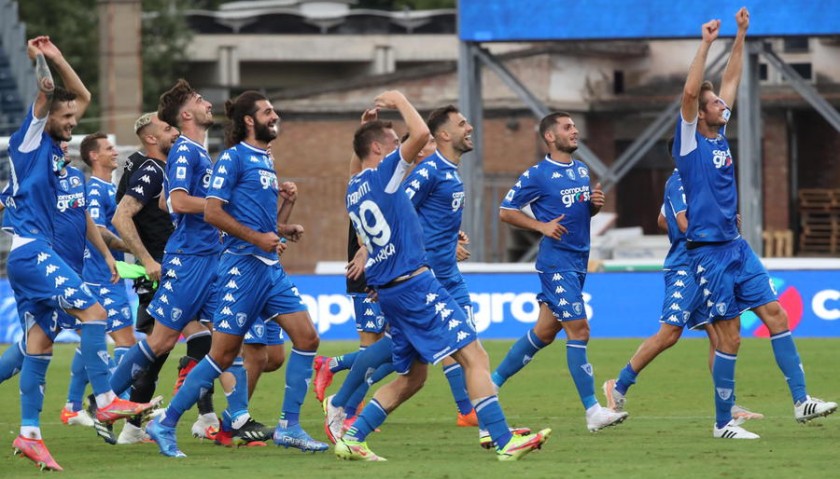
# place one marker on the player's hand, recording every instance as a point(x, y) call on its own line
point(597, 197)
point(356, 267)
point(373, 295)
point(711, 29)
point(32, 48)
point(461, 252)
point(48, 48)
point(292, 232)
point(371, 114)
point(112, 267)
point(463, 238)
point(267, 241)
point(389, 100)
point(288, 191)
point(553, 229)
point(742, 18)
point(153, 270)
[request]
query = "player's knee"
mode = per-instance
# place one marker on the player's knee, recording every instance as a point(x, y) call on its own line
point(774, 317)
point(93, 313)
point(307, 342)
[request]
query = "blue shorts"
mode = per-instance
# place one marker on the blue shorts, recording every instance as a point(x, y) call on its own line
point(186, 290)
point(250, 290)
point(267, 333)
point(114, 298)
point(681, 306)
point(562, 292)
point(43, 283)
point(731, 279)
point(427, 325)
point(369, 317)
point(457, 288)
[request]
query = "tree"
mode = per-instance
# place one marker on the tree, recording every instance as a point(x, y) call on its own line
point(166, 36)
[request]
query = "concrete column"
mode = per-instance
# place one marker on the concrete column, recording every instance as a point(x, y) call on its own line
point(120, 67)
point(228, 66)
point(384, 60)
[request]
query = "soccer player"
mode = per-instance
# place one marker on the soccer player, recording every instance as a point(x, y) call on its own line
point(185, 294)
point(243, 203)
point(732, 276)
point(426, 323)
point(437, 193)
point(145, 228)
point(680, 306)
point(40, 279)
point(558, 191)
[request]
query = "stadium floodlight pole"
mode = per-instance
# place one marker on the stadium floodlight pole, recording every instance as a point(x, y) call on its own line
point(750, 165)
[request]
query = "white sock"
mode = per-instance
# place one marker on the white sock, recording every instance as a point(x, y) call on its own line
point(240, 421)
point(105, 399)
point(30, 432)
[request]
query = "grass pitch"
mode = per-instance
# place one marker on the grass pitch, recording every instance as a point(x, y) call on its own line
point(668, 434)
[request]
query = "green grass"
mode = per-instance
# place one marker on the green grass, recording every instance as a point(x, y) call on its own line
point(668, 433)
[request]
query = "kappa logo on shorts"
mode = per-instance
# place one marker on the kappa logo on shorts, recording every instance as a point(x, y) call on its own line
point(368, 312)
point(370, 325)
point(557, 277)
point(673, 318)
point(167, 286)
point(226, 311)
point(703, 280)
point(224, 324)
point(116, 323)
point(445, 313)
point(677, 295)
point(559, 290)
point(104, 291)
point(42, 257)
point(679, 283)
point(228, 297)
point(79, 303)
point(232, 285)
point(60, 280)
point(562, 302)
point(176, 261)
point(112, 312)
point(51, 268)
point(566, 315)
point(430, 298)
point(164, 299)
point(241, 318)
point(453, 323)
point(176, 313)
point(234, 271)
point(69, 292)
point(706, 292)
point(461, 336)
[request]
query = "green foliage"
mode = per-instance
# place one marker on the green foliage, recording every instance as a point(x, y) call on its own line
point(166, 37)
point(74, 30)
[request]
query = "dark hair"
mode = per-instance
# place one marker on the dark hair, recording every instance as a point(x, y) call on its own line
point(367, 134)
point(236, 110)
point(704, 87)
point(171, 102)
point(90, 144)
point(438, 117)
point(549, 121)
point(61, 95)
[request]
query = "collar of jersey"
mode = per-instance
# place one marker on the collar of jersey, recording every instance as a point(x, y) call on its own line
point(444, 160)
point(563, 165)
point(94, 178)
point(258, 150)
point(185, 138)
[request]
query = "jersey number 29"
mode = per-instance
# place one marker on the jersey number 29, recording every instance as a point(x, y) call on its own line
point(377, 232)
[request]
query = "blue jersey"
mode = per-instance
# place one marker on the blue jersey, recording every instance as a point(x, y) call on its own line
point(552, 189)
point(102, 205)
point(385, 219)
point(71, 221)
point(674, 203)
point(188, 168)
point(708, 176)
point(245, 180)
point(34, 159)
point(437, 193)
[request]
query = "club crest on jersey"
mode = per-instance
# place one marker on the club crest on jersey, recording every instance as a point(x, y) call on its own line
point(582, 172)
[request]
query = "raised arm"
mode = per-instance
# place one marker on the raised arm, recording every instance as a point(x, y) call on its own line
point(418, 132)
point(69, 77)
point(46, 85)
point(732, 74)
point(691, 91)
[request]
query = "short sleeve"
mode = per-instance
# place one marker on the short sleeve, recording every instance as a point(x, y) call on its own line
point(145, 183)
point(225, 176)
point(524, 192)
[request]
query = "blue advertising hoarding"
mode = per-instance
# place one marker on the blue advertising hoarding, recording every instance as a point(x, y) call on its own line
point(533, 20)
point(619, 305)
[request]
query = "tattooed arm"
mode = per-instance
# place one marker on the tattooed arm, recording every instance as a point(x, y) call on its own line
point(46, 85)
